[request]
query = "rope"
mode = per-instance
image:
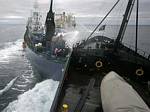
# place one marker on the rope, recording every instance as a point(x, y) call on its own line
point(102, 20)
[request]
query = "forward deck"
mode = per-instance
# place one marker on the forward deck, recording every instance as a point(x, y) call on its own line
point(81, 91)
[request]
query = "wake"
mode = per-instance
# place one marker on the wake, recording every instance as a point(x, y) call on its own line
point(8, 87)
point(39, 99)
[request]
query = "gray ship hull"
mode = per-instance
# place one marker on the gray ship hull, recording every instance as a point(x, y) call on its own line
point(47, 68)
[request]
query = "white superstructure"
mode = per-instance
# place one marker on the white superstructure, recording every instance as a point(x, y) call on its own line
point(35, 21)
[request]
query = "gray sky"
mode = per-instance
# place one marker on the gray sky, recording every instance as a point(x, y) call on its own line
point(20, 9)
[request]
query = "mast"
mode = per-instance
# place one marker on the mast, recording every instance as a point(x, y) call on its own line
point(36, 5)
point(50, 24)
point(137, 14)
point(124, 23)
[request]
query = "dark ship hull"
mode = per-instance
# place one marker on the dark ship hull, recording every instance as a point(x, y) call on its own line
point(80, 87)
point(79, 90)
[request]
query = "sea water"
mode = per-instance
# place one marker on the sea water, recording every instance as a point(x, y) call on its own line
point(16, 72)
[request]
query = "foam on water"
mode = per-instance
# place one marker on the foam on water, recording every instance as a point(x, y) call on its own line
point(10, 50)
point(9, 85)
point(14, 63)
point(20, 85)
point(16, 89)
point(39, 99)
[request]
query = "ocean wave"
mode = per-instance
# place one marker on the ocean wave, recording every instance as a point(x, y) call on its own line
point(20, 90)
point(10, 49)
point(21, 85)
point(9, 85)
point(39, 99)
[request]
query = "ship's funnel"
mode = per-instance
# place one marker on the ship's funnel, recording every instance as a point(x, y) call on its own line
point(51, 6)
point(50, 24)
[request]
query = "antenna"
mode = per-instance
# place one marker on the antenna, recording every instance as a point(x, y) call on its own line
point(36, 5)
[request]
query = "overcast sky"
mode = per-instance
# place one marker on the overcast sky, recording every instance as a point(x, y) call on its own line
point(20, 9)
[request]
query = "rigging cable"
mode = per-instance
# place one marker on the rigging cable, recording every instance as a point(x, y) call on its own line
point(124, 24)
point(114, 29)
point(102, 21)
point(123, 32)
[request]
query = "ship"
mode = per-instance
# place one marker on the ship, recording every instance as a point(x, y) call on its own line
point(104, 75)
point(45, 45)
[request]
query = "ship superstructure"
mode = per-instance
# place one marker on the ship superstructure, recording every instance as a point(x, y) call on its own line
point(34, 23)
point(65, 20)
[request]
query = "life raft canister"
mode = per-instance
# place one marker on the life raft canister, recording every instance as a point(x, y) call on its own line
point(99, 64)
point(139, 72)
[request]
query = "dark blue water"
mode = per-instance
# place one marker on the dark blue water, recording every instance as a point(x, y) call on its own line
point(14, 64)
